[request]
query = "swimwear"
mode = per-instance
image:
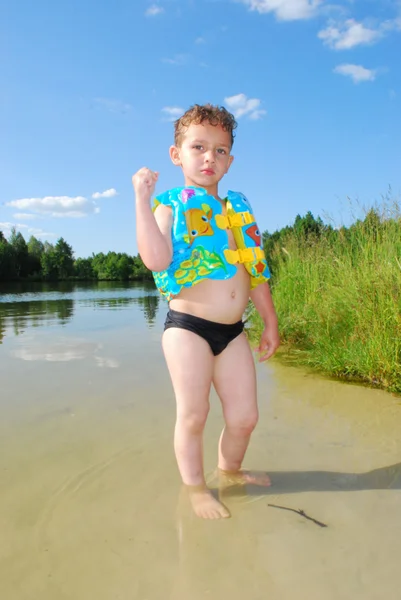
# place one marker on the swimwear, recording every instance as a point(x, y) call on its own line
point(217, 335)
point(200, 242)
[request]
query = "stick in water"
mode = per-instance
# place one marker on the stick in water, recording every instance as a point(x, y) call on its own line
point(300, 512)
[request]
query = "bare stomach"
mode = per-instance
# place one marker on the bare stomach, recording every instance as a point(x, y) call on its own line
point(222, 301)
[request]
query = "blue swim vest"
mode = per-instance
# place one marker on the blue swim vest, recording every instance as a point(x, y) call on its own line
point(200, 241)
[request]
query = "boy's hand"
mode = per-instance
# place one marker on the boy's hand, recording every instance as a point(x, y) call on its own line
point(144, 182)
point(269, 342)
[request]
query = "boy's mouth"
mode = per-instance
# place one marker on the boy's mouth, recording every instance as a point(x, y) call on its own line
point(207, 171)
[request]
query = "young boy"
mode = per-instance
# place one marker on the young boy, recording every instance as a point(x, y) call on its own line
point(190, 241)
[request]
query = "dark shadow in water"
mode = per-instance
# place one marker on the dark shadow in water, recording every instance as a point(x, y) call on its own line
point(23, 315)
point(149, 306)
point(2, 329)
point(291, 482)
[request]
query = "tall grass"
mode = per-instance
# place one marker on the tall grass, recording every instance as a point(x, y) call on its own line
point(338, 298)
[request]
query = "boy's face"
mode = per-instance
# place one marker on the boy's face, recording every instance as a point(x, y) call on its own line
point(204, 155)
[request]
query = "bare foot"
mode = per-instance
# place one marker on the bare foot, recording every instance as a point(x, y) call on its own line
point(204, 504)
point(243, 477)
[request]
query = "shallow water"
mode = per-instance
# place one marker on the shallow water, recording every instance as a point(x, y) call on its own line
point(90, 501)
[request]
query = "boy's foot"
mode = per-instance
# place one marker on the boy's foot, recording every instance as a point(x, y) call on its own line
point(204, 504)
point(243, 477)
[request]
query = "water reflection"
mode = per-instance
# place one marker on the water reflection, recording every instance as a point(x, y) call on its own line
point(20, 316)
point(2, 329)
point(61, 350)
point(24, 306)
point(15, 291)
point(149, 306)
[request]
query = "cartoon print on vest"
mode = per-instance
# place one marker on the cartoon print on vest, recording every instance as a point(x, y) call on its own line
point(186, 195)
point(198, 222)
point(254, 233)
point(200, 264)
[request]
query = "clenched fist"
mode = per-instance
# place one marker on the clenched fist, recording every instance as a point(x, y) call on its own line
point(144, 182)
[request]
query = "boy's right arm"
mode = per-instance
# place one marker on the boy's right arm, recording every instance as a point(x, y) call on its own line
point(153, 230)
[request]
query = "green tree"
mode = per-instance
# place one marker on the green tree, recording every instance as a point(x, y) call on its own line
point(83, 268)
point(124, 267)
point(48, 261)
point(64, 256)
point(35, 251)
point(7, 262)
point(139, 271)
point(20, 251)
point(98, 265)
point(308, 225)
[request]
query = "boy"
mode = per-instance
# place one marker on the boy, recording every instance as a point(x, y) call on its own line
point(188, 242)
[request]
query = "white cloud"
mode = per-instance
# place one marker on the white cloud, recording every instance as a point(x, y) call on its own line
point(106, 194)
point(178, 59)
point(112, 105)
point(25, 216)
point(6, 227)
point(154, 10)
point(40, 233)
point(257, 114)
point(173, 112)
point(241, 105)
point(356, 72)
point(348, 34)
point(285, 10)
point(57, 206)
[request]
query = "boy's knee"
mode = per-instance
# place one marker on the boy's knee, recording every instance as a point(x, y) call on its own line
point(243, 425)
point(194, 421)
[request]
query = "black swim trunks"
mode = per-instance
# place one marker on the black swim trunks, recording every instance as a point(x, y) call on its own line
point(217, 335)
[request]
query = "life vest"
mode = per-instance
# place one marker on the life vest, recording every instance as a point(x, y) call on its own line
point(200, 241)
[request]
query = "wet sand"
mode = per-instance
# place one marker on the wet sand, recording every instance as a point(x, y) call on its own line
point(91, 504)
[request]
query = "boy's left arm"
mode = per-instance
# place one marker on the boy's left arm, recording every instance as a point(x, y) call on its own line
point(270, 339)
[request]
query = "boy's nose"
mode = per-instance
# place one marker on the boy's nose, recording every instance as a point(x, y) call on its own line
point(210, 156)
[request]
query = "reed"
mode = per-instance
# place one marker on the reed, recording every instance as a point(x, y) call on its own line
point(337, 293)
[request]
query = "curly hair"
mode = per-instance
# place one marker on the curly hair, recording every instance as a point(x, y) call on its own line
point(197, 114)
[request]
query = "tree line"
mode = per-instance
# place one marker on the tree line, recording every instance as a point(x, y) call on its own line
point(43, 261)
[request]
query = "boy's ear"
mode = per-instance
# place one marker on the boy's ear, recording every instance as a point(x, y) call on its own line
point(230, 162)
point(175, 156)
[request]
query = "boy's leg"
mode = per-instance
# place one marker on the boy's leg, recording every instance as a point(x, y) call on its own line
point(190, 364)
point(234, 378)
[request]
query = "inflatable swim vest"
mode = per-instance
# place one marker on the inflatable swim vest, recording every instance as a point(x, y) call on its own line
point(200, 241)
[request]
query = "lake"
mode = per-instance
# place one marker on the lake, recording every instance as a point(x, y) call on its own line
point(90, 499)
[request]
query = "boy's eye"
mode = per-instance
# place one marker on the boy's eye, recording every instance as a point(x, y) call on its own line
point(198, 147)
point(221, 151)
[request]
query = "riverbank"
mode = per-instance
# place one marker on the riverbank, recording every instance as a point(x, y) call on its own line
point(338, 297)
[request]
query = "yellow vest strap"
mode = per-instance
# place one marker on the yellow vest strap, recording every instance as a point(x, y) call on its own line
point(244, 255)
point(235, 220)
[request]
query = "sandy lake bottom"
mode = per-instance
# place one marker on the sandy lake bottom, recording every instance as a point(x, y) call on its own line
point(90, 499)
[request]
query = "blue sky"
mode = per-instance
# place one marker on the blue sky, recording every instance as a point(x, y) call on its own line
point(89, 88)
